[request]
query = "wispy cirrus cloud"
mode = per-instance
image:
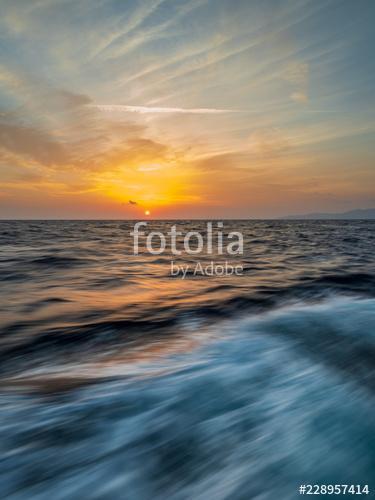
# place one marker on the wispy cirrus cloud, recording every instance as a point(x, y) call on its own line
point(121, 108)
point(300, 97)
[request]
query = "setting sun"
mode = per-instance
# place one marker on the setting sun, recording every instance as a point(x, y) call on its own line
point(147, 212)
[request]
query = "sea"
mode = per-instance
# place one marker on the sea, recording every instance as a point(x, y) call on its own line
point(119, 380)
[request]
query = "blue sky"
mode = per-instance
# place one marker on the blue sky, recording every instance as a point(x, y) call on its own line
point(212, 108)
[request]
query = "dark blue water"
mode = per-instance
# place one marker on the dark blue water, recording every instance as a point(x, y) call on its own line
point(120, 381)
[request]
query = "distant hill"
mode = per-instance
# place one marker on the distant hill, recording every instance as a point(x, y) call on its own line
point(366, 213)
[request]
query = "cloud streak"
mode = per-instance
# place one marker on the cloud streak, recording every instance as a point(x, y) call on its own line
point(122, 108)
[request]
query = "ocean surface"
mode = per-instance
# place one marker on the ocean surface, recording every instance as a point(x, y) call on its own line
point(120, 381)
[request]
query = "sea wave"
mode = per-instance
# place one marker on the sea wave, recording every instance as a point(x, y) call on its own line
point(266, 402)
point(119, 380)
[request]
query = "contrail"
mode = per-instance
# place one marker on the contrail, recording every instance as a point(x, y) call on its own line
point(148, 109)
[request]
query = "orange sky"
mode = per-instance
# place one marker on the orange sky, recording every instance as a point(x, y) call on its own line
point(213, 109)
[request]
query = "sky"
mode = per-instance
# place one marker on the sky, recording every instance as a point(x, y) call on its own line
point(186, 108)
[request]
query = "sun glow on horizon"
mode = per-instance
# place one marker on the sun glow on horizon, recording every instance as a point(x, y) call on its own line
point(169, 185)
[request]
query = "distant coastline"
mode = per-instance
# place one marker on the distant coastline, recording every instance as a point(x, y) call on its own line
point(367, 213)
